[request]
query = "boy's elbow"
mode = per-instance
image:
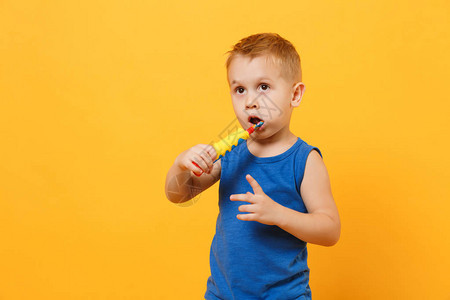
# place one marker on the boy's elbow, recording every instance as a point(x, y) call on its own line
point(176, 192)
point(176, 197)
point(334, 238)
point(332, 241)
point(333, 234)
point(180, 194)
point(172, 197)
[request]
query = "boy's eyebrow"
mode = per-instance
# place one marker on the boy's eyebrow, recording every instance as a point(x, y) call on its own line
point(258, 79)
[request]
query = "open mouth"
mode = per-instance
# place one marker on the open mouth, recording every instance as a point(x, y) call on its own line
point(254, 119)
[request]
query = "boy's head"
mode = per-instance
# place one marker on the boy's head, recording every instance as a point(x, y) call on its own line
point(275, 48)
point(264, 75)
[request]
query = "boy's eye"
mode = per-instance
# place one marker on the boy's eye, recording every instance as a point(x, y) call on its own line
point(240, 90)
point(264, 87)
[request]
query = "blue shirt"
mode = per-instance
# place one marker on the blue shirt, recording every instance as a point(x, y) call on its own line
point(248, 259)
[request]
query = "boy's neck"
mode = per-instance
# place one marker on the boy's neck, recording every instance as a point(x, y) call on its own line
point(274, 145)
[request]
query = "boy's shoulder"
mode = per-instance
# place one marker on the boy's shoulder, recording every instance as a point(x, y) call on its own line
point(305, 154)
point(306, 149)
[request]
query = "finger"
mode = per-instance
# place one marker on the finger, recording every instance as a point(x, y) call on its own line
point(255, 185)
point(246, 217)
point(208, 150)
point(212, 154)
point(207, 159)
point(212, 151)
point(247, 208)
point(197, 170)
point(202, 152)
point(200, 162)
point(241, 197)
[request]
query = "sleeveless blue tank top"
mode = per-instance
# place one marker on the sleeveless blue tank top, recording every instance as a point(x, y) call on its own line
point(250, 260)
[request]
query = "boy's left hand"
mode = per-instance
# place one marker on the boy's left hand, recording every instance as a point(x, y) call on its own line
point(262, 208)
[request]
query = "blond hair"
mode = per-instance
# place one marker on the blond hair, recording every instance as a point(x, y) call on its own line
point(277, 49)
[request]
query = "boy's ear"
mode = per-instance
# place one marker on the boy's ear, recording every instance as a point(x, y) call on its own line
point(298, 91)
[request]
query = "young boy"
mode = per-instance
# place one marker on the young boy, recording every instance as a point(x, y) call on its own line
point(274, 192)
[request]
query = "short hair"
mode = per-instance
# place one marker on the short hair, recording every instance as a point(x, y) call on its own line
point(278, 49)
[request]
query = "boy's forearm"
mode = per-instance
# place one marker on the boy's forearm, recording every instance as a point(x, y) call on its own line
point(179, 185)
point(314, 228)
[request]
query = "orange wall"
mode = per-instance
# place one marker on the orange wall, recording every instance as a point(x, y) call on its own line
point(97, 98)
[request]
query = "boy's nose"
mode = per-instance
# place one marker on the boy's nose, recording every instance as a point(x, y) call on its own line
point(251, 102)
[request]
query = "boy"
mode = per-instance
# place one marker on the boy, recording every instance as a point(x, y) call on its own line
point(274, 192)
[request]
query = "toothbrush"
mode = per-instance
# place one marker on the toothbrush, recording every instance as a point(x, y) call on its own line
point(230, 142)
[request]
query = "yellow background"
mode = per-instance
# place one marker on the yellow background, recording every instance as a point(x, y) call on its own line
point(97, 98)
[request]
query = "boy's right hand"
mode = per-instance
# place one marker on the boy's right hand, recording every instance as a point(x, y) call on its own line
point(202, 155)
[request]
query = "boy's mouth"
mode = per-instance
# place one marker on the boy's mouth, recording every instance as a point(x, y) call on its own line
point(254, 120)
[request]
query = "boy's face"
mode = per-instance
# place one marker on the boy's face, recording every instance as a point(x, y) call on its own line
point(259, 92)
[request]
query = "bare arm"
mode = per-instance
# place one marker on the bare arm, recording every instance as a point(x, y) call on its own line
point(321, 225)
point(181, 183)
